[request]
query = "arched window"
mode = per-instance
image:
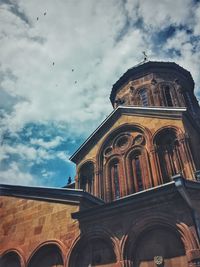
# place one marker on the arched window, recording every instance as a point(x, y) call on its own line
point(10, 259)
point(144, 97)
point(47, 256)
point(136, 171)
point(86, 176)
point(168, 154)
point(114, 172)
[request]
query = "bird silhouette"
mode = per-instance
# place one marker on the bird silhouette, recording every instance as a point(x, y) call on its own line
point(37, 18)
point(145, 56)
point(69, 180)
point(72, 70)
point(53, 63)
point(45, 13)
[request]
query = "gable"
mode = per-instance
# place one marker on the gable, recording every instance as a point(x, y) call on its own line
point(149, 118)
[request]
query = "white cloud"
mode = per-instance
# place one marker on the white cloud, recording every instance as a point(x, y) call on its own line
point(63, 156)
point(197, 20)
point(25, 152)
point(47, 145)
point(14, 175)
point(189, 53)
point(80, 36)
point(160, 14)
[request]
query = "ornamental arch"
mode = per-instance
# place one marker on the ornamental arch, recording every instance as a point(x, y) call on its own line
point(173, 155)
point(158, 244)
point(168, 95)
point(113, 164)
point(138, 168)
point(113, 171)
point(124, 128)
point(12, 258)
point(49, 254)
point(169, 153)
point(86, 176)
point(93, 249)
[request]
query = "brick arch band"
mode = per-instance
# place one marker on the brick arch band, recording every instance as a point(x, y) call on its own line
point(15, 252)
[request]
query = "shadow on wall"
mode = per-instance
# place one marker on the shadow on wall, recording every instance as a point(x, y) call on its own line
point(159, 246)
point(10, 259)
point(91, 252)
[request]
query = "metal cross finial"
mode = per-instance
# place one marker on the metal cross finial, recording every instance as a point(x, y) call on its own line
point(145, 56)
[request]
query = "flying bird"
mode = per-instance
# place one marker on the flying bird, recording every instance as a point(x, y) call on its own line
point(37, 18)
point(45, 13)
point(72, 70)
point(53, 63)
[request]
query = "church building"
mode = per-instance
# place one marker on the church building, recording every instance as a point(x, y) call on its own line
point(135, 201)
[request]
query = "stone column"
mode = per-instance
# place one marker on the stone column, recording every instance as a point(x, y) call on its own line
point(155, 167)
point(186, 156)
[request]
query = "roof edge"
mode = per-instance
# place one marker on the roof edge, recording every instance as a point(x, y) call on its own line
point(129, 200)
point(50, 194)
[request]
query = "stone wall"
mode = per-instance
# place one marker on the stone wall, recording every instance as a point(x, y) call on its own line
point(26, 225)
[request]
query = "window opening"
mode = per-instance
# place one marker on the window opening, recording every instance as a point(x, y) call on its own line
point(138, 174)
point(116, 180)
point(169, 155)
point(144, 97)
point(86, 177)
point(168, 96)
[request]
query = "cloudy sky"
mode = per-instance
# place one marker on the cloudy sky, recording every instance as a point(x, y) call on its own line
point(58, 62)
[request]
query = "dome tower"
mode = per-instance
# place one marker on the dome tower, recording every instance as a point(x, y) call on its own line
point(156, 84)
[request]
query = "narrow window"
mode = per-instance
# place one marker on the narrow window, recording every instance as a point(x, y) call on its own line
point(168, 96)
point(86, 177)
point(137, 173)
point(168, 154)
point(144, 97)
point(116, 180)
point(114, 177)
